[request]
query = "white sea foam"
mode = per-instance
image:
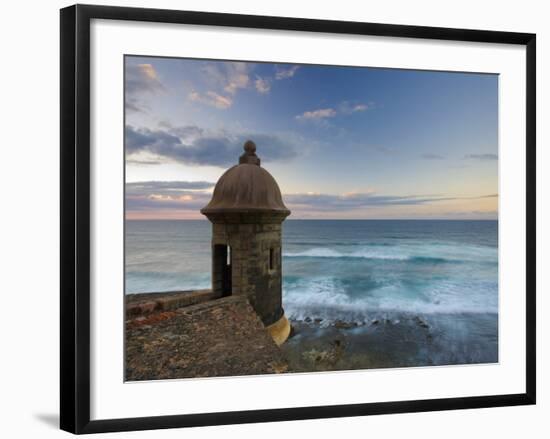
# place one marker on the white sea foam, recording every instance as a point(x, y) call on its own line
point(339, 270)
point(317, 252)
point(325, 298)
point(419, 253)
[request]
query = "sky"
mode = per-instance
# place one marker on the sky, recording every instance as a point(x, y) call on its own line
point(342, 142)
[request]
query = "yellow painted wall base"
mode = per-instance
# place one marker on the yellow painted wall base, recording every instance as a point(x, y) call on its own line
point(280, 330)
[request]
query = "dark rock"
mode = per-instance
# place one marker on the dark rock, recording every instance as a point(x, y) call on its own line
point(422, 323)
point(307, 320)
point(341, 324)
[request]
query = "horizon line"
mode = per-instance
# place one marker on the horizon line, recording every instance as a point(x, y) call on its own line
point(328, 219)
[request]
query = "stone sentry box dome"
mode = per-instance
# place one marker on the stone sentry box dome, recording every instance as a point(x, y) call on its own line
point(247, 212)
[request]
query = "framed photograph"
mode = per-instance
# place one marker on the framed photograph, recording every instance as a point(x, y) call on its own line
point(268, 218)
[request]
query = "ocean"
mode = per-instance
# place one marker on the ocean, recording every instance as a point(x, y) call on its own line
point(439, 276)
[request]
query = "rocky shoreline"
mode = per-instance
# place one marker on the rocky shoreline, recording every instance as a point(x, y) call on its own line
point(399, 340)
point(183, 335)
point(319, 345)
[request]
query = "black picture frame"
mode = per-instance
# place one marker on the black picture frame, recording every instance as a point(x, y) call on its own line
point(75, 217)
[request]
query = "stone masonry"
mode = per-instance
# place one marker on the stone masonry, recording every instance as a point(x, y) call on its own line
point(255, 265)
point(222, 337)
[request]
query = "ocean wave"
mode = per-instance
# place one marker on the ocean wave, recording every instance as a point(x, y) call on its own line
point(315, 243)
point(327, 298)
point(354, 312)
point(328, 253)
point(427, 254)
point(318, 252)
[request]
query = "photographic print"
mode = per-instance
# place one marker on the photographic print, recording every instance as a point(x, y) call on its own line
point(341, 213)
point(286, 218)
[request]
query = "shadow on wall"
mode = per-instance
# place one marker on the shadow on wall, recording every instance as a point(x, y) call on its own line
point(49, 419)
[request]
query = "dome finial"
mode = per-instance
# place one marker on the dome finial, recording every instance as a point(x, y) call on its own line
point(249, 147)
point(249, 156)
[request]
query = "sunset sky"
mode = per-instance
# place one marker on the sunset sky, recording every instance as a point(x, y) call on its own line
point(342, 142)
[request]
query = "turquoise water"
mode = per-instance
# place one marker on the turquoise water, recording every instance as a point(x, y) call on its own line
point(444, 273)
point(350, 269)
point(339, 269)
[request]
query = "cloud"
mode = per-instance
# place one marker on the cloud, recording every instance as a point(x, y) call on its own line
point(285, 73)
point(237, 76)
point(359, 107)
point(263, 85)
point(313, 201)
point(186, 132)
point(358, 200)
point(140, 79)
point(227, 77)
point(143, 161)
point(321, 113)
point(212, 98)
point(345, 108)
point(349, 108)
point(482, 196)
point(167, 195)
point(132, 105)
point(481, 156)
point(145, 186)
point(148, 140)
point(193, 202)
point(189, 196)
point(148, 71)
point(194, 146)
point(432, 156)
